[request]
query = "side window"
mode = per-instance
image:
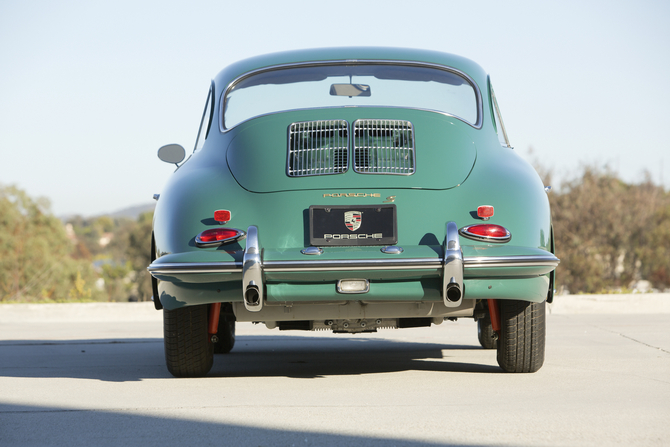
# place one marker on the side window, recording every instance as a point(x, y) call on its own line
point(205, 121)
point(500, 126)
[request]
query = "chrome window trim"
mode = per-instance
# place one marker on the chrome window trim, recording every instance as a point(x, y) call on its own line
point(210, 103)
point(499, 116)
point(477, 124)
point(548, 260)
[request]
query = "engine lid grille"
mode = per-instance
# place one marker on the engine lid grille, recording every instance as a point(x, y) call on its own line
point(318, 148)
point(384, 147)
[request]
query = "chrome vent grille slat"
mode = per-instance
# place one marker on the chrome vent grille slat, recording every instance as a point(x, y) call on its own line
point(384, 147)
point(318, 148)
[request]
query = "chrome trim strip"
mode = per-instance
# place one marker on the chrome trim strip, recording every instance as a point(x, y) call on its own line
point(549, 260)
point(157, 268)
point(480, 107)
point(368, 264)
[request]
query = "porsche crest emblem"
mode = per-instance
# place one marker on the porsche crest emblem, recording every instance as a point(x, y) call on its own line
point(353, 219)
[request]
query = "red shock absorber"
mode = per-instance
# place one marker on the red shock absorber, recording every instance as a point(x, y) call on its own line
point(494, 311)
point(214, 312)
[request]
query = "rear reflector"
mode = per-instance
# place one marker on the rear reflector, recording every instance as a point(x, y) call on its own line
point(486, 233)
point(218, 236)
point(222, 216)
point(485, 212)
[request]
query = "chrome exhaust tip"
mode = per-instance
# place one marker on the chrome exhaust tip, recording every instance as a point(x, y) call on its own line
point(454, 293)
point(252, 296)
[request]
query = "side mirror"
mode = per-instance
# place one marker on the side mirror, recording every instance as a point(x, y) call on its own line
point(172, 153)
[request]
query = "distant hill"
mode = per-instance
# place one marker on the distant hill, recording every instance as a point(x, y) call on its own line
point(133, 212)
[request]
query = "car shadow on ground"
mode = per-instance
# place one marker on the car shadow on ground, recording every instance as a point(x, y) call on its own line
point(25, 425)
point(311, 357)
point(253, 356)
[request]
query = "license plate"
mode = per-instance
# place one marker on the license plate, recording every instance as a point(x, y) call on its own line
point(353, 225)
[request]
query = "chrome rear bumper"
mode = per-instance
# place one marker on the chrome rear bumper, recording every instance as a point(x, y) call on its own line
point(452, 266)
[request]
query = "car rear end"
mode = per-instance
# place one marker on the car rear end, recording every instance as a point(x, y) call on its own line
point(352, 217)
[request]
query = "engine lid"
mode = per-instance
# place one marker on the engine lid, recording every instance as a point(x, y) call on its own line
point(273, 153)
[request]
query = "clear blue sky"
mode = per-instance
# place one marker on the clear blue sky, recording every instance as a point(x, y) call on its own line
point(89, 90)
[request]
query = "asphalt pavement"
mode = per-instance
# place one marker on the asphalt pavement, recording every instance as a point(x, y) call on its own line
point(94, 374)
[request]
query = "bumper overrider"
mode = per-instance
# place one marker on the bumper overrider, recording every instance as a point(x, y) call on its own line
point(484, 272)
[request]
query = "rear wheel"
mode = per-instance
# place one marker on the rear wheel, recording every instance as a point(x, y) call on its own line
point(522, 336)
point(487, 338)
point(188, 351)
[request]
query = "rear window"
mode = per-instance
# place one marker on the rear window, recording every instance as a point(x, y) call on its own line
point(351, 85)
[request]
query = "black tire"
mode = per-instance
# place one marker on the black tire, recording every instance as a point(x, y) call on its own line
point(225, 335)
point(487, 338)
point(188, 351)
point(522, 336)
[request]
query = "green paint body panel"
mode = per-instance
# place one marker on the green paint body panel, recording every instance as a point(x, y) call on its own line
point(175, 295)
point(458, 168)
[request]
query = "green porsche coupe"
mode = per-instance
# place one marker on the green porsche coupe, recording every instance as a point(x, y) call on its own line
point(351, 190)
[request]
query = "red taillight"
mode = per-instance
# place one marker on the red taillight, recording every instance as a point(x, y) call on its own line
point(485, 212)
point(486, 233)
point(222, 216)
point(217, 236)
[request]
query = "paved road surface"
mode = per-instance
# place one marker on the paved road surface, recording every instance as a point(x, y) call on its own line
point(94, 375)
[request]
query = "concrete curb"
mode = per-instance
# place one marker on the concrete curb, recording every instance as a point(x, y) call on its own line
point(79, 312)
point(636, 303)
point(649, 303)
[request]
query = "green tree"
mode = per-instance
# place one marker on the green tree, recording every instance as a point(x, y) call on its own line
point(654, 247)
point(117, 280)
point(35, 261)
point(610, 233)
point(139, 255)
